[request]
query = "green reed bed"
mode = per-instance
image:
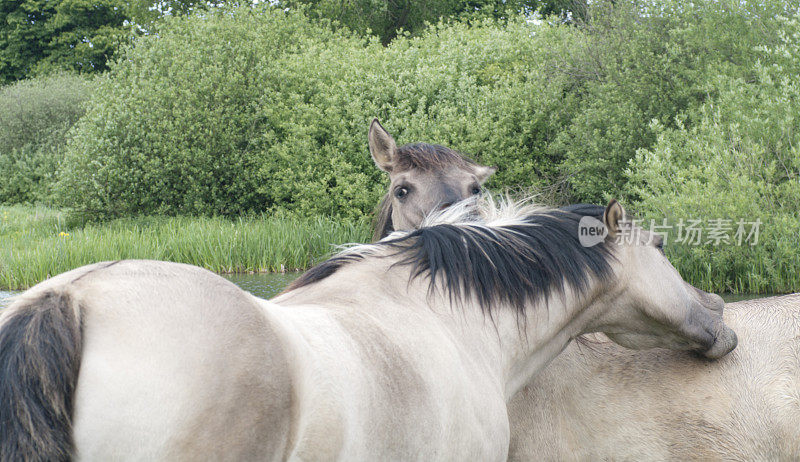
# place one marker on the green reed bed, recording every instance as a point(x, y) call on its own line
point(772, 269)
point(37, 242)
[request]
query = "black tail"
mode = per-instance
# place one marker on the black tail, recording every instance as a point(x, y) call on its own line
point(40, 350)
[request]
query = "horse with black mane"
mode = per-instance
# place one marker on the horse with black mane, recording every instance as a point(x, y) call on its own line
point(409, 348)
point(672, 406)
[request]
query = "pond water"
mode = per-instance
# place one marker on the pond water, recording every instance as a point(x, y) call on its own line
point(4, 294)
point(264, 285)
point(267, 285)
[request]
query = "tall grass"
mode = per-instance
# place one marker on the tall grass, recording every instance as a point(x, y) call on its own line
point(39, 242)
point(757, 271)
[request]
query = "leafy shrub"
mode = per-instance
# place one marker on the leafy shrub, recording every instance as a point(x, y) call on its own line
point(741, 160)
point(637, 63)
point(254, 109)
point(35, 116)
point(214, 115)
point(249, 110)
point(387, 19)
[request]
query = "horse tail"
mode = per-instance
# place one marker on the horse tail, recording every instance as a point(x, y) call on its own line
point(40, 350)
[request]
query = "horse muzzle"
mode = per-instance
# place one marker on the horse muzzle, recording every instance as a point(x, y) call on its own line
point(725, 341)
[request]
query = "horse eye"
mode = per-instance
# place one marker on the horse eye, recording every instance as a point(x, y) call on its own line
point(401, 192)
point(476, 190)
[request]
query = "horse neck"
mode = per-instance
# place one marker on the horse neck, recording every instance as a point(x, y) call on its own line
point(516, 348)
point(552, 327)
point(503, 348)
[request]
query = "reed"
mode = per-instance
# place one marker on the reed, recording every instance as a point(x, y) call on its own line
point(767, 270)
point(38, 242)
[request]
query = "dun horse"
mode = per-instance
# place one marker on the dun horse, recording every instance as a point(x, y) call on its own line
point(598, 401)
point(405, 349)
point(424, 177)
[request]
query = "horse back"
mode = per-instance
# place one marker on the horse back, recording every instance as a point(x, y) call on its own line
point(177, 364)
point(368, 383)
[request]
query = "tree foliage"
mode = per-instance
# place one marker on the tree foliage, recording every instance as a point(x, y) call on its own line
point(387, 18)
point(634, 64)
point(239, 110)
point(250, 109)
point(35, 116)
point(42, 36)
point(739, 159)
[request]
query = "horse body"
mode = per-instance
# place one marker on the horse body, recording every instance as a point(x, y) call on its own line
point(408, 349)
point(186, 366)
point(598, 401)
point(181, 365)
point(370, 384)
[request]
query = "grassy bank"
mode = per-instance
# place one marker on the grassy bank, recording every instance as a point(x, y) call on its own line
point(38, 242)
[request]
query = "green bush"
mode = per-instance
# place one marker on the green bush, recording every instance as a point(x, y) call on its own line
point(256, 109)
point(741, 160)
point(635, 64)
point(35, 116)
point(238, 110)
point(387, 18)
point(250, 110)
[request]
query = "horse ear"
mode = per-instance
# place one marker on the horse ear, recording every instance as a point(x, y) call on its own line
point(483, 173)
point(382, 146)
point(612, 217)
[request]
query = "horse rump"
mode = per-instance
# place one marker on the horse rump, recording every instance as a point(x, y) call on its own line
point(40, 348)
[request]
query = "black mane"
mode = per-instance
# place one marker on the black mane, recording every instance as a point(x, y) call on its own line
point(319, 272)
point(383, 225)
point(516, 264)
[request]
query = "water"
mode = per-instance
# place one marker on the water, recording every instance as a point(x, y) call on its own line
point(264, 285)
point(268, 285)
point(4, 296)
point(730, 298)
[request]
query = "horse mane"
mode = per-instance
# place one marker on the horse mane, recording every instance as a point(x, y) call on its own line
point(383, 219)
point(509, 254)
